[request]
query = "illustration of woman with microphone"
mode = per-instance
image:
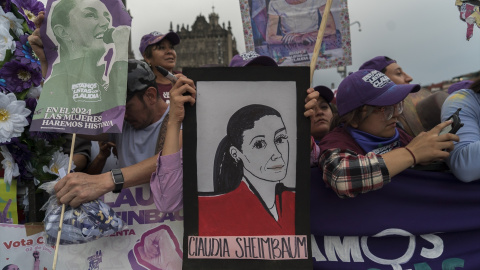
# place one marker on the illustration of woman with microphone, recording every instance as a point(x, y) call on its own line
point(86, 49)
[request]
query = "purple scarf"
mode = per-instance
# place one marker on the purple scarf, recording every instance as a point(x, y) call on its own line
point(371, 143)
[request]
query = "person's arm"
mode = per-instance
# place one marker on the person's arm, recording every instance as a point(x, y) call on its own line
point(77, 188)
point(166, 182)
point(37, 44)
point(464, 158)
point(272, 26)
point(97, 164)
point(82, 151)
point(427, 147)
point(80, 161)
point(370, 170)
point(349, 173)
point(310, 102)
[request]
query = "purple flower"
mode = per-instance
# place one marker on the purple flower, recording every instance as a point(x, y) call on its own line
point(31, 104)
point(25, 54)
point(19, 77)
point(29, 10)
point(6, 5)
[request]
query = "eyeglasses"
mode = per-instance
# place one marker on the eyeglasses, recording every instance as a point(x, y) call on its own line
point(389, 111)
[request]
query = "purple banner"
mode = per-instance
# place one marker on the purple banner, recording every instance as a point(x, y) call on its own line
point(86, 45)
point(421, 220)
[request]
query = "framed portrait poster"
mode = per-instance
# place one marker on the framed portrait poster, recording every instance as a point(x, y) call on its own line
point(246, 169)
point(287, 31)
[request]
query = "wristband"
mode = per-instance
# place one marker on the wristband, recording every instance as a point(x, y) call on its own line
point(413, 156)
point(118, 180)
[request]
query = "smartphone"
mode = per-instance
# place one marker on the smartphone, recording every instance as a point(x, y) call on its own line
point(455, 125)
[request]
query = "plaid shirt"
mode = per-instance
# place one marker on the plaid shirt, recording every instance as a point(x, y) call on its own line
point(349, 173)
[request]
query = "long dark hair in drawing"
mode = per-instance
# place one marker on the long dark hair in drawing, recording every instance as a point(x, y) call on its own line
point(229, 165)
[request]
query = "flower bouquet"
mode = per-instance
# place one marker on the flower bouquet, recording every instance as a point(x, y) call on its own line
point(31, 158)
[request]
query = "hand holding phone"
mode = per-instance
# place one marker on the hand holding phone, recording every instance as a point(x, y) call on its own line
point(454, 126)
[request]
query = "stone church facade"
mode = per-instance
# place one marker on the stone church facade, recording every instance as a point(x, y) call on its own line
point(207, 43)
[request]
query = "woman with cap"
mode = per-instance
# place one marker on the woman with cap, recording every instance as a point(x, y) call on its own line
point(320, 121)
point(409, 119)
point(158, 49)
point(463, 160)
point(366, 150)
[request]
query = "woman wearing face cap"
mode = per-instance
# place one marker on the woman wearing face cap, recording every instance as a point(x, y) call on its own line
point(367, 149)
point(158, 49)
point(321, 120)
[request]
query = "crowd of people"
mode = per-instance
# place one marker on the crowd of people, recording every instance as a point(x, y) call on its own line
point(358, 138)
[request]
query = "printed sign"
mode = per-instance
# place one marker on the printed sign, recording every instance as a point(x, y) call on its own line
point(246, 204)
point(86, 45)
point(151, 241)
point(287, 31)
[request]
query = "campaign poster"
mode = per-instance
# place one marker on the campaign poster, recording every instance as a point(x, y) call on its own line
point(246, 183)
point(420, 220)
point(86, 45)
point(23, 247)
point(287, 31)
point(152, 240)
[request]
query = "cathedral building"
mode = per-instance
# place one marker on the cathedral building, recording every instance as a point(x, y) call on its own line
point(207, 43)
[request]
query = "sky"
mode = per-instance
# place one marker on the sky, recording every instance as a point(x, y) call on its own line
point(426, 37)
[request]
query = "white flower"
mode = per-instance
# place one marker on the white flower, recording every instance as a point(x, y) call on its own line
point(12, 117)
point(9, 165)
point(59, 160)
point(34, 92)
point(6, 42)
point(11, 22)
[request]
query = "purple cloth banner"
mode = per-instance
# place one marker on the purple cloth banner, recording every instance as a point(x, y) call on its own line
point(421, 220)
point(86, 45)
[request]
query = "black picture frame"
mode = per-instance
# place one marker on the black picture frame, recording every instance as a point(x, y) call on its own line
point(299, 76)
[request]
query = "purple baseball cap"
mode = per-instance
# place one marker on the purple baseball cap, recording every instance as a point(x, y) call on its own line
point(370, 87)
point(155, 37)
point(324, 92)
point(459, 85)
point(251, 58)
point(377, 63)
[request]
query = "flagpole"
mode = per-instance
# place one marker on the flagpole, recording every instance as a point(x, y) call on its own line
point(318, 43)
point(60, 224)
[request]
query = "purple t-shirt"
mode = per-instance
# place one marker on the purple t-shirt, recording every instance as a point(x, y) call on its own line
point(164, 89)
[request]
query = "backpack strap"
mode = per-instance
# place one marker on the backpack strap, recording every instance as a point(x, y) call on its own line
point(162, 134)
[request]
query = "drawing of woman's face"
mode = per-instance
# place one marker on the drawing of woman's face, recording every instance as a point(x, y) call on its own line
point(89, 20)
point(265, 149)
